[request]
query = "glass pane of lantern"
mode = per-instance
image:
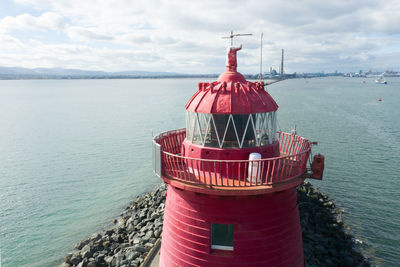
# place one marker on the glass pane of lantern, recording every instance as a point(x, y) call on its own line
point(190, 121)
point(272, 128)
point(259, 124)
point(221, 122)
point(262, 128)
point(250, 138)
point(212, 138)
point(231, 138)
point(240, 123)
point(205, 129)
point(197, 139)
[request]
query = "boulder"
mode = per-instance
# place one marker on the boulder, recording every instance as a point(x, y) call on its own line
point(108, 260)
point(141, 249)
point(115, 237)
point(95, 237)
point(82, 263)
point(149, 245)
point(106, 244)
point(117, 259)
point(76, 259)
point(81, 244)
point(157, 233)
point(67, 258)
point(131, 255)
point(100, 257)
point(109, 232)
point(86, 254)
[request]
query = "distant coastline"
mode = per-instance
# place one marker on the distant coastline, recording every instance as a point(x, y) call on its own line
point(147, 76)
point(19, 73)
point(100, 77)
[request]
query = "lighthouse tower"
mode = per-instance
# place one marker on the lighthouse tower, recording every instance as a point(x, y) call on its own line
point(231, 199)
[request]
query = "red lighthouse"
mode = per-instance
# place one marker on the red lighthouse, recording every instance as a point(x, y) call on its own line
point(231, 199)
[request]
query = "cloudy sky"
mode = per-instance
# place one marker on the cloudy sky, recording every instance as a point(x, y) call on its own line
point(185, 36)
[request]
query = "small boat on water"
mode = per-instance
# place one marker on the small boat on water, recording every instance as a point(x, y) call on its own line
point(380, 80)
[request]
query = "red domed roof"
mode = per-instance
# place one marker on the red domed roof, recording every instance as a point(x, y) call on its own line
point(231, 94)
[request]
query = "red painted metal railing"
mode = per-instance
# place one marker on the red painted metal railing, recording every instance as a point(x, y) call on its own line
point(294, 149)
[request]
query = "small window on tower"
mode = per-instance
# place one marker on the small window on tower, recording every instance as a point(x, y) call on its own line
point(222, 236)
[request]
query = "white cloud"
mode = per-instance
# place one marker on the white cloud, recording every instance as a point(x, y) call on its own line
point(135, 38)
point(87, 34)
point(180, 35)
point(46, 21)
point(9, 42)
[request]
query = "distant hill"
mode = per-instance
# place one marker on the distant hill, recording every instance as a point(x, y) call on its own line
point(60, 73)
point(18, 73)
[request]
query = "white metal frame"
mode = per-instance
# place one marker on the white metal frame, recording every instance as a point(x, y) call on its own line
point(267, 126)
point(228, 248)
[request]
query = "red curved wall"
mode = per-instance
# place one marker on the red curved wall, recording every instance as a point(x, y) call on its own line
point(266, 230)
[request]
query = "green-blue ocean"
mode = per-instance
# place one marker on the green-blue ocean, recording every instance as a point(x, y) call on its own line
point(74, 153)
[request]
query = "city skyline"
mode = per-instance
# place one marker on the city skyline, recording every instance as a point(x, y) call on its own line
point(183, 37)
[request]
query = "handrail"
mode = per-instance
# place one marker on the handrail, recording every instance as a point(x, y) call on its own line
point(294, 149)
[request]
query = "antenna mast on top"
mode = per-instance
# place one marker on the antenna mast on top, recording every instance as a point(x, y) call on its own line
point(282, 64)
point(260, 76)
point(235, 35)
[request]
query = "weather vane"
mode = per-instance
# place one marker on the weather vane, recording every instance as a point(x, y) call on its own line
point(234, 35)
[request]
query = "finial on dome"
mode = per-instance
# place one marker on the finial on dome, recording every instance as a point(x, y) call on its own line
point(231, 58)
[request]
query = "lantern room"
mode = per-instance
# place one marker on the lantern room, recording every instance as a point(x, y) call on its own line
point(231, 130)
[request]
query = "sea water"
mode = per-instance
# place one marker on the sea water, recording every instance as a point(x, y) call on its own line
point(74, 153)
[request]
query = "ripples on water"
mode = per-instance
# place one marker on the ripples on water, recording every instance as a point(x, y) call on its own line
point(74, 153)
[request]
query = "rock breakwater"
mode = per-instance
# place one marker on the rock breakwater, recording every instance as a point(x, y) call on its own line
point(128, 242)
point(327, 241)
point(325, 238)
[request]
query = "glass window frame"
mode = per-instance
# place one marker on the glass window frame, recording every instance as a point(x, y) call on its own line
point(218, 245)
